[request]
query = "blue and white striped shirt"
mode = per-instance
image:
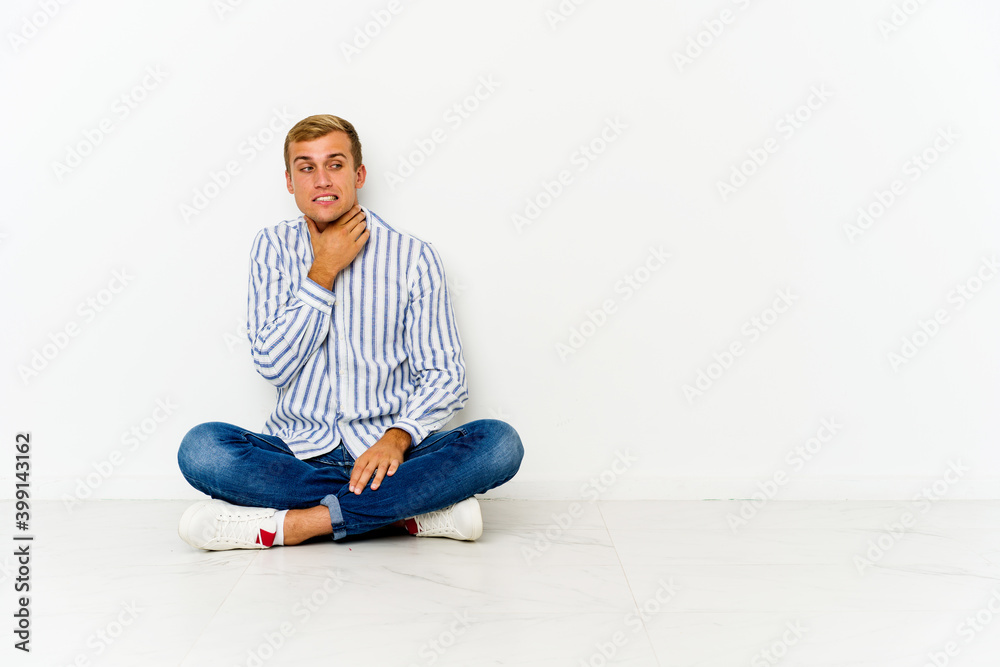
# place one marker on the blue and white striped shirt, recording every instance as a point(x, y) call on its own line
point(380, 351)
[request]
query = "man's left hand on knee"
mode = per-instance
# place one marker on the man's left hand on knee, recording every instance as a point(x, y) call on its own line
point(379, 460)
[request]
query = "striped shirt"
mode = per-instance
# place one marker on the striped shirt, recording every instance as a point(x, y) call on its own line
point(380, 351)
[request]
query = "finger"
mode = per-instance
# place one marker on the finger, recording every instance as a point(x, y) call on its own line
point(379, 476)
point(355, 225)
point(354, 233)
point(366, 474)
point(347, 217)
point(356, 214)
point(392, 467)
point(359, 467)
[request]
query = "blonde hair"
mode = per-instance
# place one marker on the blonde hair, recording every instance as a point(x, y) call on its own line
point(321, 125)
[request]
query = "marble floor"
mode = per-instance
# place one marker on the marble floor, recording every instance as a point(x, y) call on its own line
point(880, 584)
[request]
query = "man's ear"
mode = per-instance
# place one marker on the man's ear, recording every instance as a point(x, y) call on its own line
point(288, 182)
point(359, 177)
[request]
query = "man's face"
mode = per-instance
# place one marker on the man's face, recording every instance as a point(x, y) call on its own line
point(324, 178)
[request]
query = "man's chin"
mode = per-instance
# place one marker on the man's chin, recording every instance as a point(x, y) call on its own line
point(324, 217)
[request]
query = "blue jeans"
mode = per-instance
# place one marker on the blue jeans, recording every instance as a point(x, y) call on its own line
point(257, 470)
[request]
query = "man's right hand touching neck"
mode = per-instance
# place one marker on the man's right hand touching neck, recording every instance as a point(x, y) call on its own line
point(336, 246)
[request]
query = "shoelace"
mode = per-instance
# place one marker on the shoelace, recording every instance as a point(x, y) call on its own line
point(437, 522)
point(239, 528)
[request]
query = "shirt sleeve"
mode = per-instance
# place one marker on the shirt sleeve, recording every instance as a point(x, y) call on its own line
point(285, 328)
point(434, 351)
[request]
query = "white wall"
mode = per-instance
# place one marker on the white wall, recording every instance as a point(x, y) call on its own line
point(881, 95)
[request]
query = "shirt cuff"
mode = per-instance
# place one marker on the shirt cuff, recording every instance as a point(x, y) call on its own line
point(315, 295)
point(413, 428)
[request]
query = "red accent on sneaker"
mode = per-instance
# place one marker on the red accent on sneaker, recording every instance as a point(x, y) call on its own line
point(268, 538)
point(411, 526)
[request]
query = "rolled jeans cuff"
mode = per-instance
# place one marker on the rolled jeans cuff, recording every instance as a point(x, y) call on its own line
point(336, 517)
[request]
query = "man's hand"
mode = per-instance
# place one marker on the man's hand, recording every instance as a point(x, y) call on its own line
point(380, 459)
point(336, 246)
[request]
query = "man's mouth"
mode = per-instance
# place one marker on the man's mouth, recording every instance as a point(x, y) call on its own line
point(326, 198)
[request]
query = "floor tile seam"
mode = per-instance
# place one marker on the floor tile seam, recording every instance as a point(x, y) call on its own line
point(218, 609)
point(631, 590)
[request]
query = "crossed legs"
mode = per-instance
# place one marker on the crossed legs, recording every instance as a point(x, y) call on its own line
point(255, 470)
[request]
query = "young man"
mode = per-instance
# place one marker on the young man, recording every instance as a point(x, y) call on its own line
point(352, 321)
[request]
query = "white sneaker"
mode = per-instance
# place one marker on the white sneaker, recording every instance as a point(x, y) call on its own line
point(216, 525)
point(461, 521)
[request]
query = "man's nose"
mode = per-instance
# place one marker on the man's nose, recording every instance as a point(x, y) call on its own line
point(323, 178)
